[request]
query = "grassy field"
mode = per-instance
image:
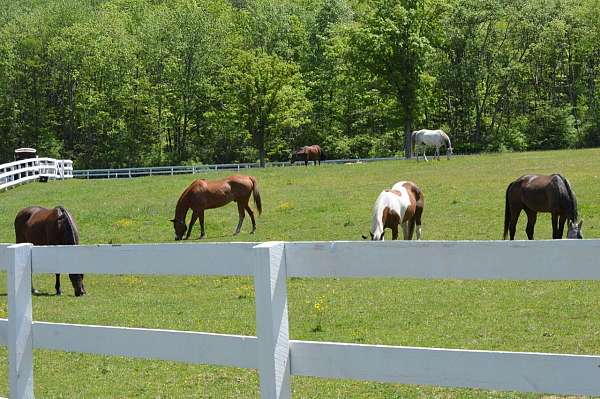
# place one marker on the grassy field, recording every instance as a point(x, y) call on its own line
point(463, 201)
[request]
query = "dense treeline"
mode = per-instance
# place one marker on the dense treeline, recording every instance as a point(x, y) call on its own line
point(150, 82)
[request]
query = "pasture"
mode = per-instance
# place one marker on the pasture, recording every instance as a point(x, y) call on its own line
point(464, 199)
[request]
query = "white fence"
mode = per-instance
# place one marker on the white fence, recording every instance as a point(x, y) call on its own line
point(272, 352)
point(176, 170)
point(26, 170)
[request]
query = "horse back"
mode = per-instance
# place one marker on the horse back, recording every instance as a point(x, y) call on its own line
point(541, 193)
point(37, 225)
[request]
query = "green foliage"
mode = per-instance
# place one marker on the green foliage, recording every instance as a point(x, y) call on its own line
point(113, 83)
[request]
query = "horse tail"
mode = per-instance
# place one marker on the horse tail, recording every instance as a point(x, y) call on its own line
point(572, 198)
point(70, 234)
point(420, 200)
point(256, 195)
point(506, 212)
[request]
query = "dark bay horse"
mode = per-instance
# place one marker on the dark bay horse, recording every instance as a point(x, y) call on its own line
point(402, 205)
point(41, 226)
point(206, 194)
point(541, 193)
point(308, 153)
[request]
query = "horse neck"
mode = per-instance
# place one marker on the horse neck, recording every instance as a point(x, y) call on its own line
point(572, 201)
point(183, 205)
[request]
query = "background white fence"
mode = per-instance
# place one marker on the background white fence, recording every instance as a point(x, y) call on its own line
point(272, 352)
point(26, 170)
point(176, 170)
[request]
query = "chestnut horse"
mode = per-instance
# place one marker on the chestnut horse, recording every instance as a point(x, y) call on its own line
point(41, 226)
point(308, 153)
point(204, 194)
point(403, 204)
point(541, 193)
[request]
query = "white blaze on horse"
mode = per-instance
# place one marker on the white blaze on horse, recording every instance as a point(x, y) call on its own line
point(437, 138)
point(402, 205)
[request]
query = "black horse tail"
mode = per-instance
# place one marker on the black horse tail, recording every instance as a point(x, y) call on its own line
point(506, 212)
point(572, 198)
point(70, 234)
point(256, 195)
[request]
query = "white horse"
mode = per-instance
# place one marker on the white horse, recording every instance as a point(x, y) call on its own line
point(437, 138)
point(403, 204)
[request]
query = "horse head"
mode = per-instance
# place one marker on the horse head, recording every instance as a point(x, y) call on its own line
point(180, 228)
point(574, 230)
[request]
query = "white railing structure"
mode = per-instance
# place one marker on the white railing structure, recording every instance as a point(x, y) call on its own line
point(26, 170)
point(176, 170)
point(277, 357)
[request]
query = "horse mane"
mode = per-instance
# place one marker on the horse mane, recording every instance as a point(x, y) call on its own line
point(70, 234)
point(573, 199)
point(446, 139)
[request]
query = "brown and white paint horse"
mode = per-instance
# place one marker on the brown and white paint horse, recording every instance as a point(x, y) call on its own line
point(402, 205)
point(206, 194)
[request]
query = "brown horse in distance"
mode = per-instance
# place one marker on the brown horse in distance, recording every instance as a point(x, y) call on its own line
point(205, 194)
point(541, 193)
point(308, 153)
point(41, 226)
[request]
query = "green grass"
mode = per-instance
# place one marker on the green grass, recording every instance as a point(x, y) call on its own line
point(463, 200)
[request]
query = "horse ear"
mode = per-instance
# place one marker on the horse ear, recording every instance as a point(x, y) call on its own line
point(172, 220)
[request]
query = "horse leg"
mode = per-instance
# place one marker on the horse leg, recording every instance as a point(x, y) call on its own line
point(411, 228)
point(425, 154)
point(251, 214)
point(437, 153)
point(201, 219)
point(531, 219)
point(514, 218)
point(561, 226)
point(241, 220)
point(395, 232)
point(554, 225)
point(192, 221)
point(57, 285)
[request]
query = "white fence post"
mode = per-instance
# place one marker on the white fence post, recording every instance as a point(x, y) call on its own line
point(272, 321)
point(20, 325)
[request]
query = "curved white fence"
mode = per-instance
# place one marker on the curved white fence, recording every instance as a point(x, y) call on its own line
point(272, 352)
point(26, 170)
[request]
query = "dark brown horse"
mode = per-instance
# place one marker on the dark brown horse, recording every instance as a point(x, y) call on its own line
point(205, 194)
point(41, 226)
point(541, 193)
point(402, 205)
point(308, 153)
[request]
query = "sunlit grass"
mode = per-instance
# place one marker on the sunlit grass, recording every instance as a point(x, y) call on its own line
point(463, 200)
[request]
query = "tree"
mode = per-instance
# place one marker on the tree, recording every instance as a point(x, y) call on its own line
point(390, 41)
point(267, 95)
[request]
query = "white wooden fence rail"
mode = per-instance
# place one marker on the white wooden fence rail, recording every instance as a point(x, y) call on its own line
point(272, 352)
point(26, 170)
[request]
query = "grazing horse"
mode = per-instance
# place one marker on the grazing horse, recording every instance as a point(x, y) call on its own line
point(205, 194)
point(41, 226)
point(308, 153)
point(437, 138)
point(541, 193)
point(403, 204)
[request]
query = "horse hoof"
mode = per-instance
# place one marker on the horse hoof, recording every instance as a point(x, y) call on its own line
point(34, 292)
point(58, 293)
point(201, 237)
point(253, 231)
